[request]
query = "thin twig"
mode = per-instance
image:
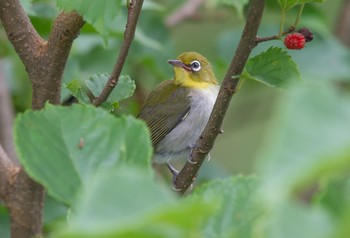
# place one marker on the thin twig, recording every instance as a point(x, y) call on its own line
point(188, 9)
point(6, 165)
point(206, 140)
point(6, 116)
point(134, 10)
point(275, 37)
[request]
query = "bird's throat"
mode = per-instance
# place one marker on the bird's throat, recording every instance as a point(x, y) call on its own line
point(183, 78)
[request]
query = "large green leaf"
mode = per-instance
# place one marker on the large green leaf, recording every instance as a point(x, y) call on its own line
point(287, 4)
point(96, 12)
point(273, 67)
point(129, 203)
point(308, 137)
point(63, 147)
point(236, 206)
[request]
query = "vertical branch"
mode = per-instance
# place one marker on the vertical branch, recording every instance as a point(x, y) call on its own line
point(6, 116)
point(343, 24)
point(134, 10)
point(44, 61)
point(206, 141)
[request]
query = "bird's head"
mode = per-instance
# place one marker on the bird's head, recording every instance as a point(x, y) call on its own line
point(193, 70)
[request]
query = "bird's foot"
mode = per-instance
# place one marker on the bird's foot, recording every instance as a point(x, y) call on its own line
point(189, 159)
point(174, 173)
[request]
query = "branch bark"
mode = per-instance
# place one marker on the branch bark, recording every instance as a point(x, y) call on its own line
point(343, 24)
point(207, 139)
point(45, 72)
point(6, 167)
point(134, 10)
point(44, 61)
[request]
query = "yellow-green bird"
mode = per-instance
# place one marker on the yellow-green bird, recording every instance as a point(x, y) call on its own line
point(177, 110)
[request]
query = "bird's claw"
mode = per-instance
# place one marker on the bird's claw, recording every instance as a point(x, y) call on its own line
point(174, 172)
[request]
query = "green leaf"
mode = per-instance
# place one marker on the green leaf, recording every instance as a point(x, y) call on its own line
point(77, 90)
point(236, 206)
point(129, 203)
point(63, 147)
point(273, 67)
point(124, 88)
point(99, 13)
point(308, 137)
point(287, 4)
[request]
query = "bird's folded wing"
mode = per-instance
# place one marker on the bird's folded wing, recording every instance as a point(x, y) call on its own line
point(164, 115)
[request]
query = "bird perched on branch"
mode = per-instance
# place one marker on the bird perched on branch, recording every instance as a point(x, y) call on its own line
point(177, 110)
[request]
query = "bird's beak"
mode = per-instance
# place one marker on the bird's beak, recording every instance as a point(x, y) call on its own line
point(178, 63)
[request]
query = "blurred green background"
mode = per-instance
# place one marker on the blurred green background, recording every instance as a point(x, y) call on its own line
point(213, 30)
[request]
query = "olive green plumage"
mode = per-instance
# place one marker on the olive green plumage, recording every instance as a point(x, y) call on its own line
point(177, 110)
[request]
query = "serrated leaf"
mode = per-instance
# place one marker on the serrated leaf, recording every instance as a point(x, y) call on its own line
point(64, 147)
point(78, 91)
point(96, 12)
point(236, 206)
point(124, 88)
point(287, 4)
point(308, 138)
point(117, 202)
point(273, 67)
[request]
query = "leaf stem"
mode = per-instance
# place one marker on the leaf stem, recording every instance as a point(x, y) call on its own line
point(299, 15)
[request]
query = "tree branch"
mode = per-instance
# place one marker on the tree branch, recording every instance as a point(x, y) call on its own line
point(186, 11)
point(44, 62)
point(6, 166)
point(206, 141)
point(134, 10)
point(46, 74)
point(6, 116)
point(343, 24)
point(20, 31)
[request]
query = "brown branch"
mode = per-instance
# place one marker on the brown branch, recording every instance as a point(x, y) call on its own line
point(6, 116)
point(343, 24)
point(6, 166)
point(19, 30)
point(44, 61)
point(184, 12)
point(206, 141)
point(134, 10)
point(275, 37)
point(46, 72)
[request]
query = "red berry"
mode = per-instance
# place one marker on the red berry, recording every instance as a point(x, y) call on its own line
point(295, 41)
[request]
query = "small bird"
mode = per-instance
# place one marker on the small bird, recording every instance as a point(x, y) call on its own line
point(177, 110)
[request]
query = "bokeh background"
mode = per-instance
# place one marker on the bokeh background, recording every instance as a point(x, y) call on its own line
point(212, 29)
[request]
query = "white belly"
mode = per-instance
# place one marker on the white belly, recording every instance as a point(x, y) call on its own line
point(179, 142)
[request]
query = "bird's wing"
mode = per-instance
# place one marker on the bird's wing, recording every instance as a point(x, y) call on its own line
point(164, 109)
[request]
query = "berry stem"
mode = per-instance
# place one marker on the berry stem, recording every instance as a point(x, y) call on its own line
point(280, 33)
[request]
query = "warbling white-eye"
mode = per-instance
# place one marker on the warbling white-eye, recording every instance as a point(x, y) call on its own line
point(177, 110)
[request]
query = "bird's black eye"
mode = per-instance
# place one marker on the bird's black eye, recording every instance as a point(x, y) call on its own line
point(195, 65)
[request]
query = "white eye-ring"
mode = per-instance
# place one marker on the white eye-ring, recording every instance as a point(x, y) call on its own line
point(195, 65)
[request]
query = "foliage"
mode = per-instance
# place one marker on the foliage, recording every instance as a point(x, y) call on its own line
point(96, 166)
